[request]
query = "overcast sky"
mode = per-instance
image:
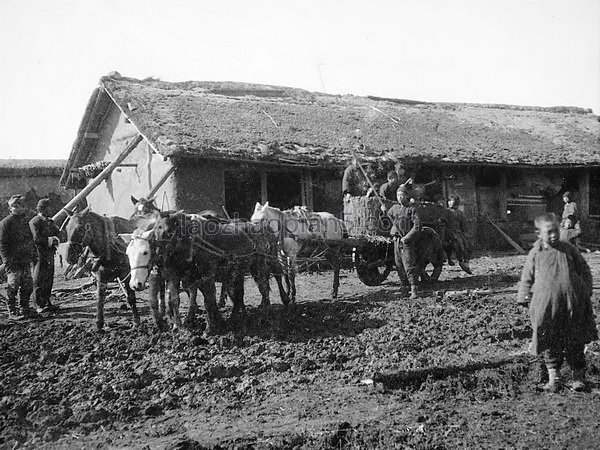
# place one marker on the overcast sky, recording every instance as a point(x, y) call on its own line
point(524, 52)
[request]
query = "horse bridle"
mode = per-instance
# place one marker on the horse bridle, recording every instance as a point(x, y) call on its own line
point(150, 261)
point(82, 244)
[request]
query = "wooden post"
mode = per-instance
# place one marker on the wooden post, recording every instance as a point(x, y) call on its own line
point(96, 181)
point(263, 187)
point(503, 196)
point(308, 183)
point(516, 246)
point(162, 181)
point(584, 193)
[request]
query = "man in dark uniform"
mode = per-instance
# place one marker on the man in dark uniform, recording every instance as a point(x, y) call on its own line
point(457, 235)
point(388, 189)
point(45, 235)
point(354, 182)
point(406, 230)
point(18, 254)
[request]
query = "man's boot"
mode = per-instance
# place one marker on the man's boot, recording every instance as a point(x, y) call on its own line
point(544, 378)
point(13, 312)
point(414, 293)
point(464, 265)
point(29, 313)
point(553, 384)
point(578, 380)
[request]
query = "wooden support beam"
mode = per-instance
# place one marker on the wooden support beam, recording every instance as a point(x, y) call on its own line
point(516, 246)
point(308, 184)
point(91, 136)
point(160, 182)
point(263, 187)
point(503, 195)
point(59, 216)
point(584, 193)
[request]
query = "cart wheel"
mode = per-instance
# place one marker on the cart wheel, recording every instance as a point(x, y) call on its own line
point(368, 274)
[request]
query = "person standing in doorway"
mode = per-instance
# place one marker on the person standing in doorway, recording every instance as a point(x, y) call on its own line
point(45, 235)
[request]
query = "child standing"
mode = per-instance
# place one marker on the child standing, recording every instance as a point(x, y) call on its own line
point(557, 284)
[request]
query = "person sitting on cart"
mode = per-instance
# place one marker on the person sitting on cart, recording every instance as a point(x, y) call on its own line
point(456, 235)
point(406, 230)
point(388, 189)
point(354, 182)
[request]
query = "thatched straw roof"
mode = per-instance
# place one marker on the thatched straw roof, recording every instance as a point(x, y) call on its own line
point(228, 120)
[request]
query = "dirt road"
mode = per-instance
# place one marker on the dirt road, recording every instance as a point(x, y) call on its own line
point(371, 369)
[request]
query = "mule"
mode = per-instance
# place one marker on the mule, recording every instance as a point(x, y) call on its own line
point(202, 248)
point(99, 234)
point(306, 233)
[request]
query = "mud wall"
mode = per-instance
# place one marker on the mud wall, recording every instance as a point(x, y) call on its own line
point(10, 186)
point(137, 175)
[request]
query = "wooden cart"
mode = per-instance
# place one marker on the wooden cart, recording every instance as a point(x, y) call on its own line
point(369, 236)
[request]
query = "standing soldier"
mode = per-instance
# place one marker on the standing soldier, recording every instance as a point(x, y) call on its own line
point(45, 235)
point(406, 228)
point(18, 254)
point(456, 235)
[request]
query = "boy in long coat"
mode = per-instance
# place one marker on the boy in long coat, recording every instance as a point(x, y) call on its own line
point(557, 284)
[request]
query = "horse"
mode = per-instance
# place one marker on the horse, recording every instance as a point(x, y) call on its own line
point(202, 248)
point(302, 232)
point(146, 207)
point(144, 267)
point(99, 234)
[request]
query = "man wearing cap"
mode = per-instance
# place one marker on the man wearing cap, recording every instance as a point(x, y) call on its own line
point(406, 228)
point(18, 254)
point(45, 236)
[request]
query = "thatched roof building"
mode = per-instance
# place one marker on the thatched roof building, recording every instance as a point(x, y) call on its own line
point(226, 120)
point(32, 178)
point(208, 138)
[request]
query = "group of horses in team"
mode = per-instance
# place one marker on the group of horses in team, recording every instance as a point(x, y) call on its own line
point(171, 251)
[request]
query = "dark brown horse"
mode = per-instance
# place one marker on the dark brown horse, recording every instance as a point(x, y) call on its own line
point(99, 234)
point(146, 207)
point(202, 248)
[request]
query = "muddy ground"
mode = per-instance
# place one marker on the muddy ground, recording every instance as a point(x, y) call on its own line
point(369, 370)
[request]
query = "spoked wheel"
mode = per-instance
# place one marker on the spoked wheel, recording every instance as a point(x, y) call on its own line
point(371, 266)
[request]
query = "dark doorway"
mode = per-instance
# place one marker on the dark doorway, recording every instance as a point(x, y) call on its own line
point(242, 191)
point(283, 189)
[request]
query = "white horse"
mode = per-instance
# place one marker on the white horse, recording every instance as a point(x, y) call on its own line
point(301, 231)
point(141, 253)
